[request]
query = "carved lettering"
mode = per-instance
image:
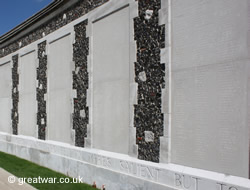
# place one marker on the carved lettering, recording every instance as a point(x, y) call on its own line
point(178, 180)
point(132, 168)
point(150, 172)
point(233, 188)
point(196, 182)
point(182, 181)
point(124, 166)
point(186, 182)
point(143, 172)
point(139, 170)
point(225, 187)
point(100, 160)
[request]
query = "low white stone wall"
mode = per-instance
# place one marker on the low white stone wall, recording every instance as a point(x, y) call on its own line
point(116, 171)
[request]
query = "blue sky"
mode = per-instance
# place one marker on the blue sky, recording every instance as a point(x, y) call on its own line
point(14, 12)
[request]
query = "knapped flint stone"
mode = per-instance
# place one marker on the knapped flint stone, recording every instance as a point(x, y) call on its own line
point(80, 83)
point(149, 74)
point(74, 12)
point(41, 90)
point(15, 95)
point(149, 36)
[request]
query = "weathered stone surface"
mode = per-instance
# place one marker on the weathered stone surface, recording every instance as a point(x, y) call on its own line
point(117, 171)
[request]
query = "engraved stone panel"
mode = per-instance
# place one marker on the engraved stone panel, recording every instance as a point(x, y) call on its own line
point(5, 98)
point(209, 95)
point(59, 90)
point(111, 82)
point(27, 95)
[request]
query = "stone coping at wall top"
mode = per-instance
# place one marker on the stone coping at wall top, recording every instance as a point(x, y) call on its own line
point(34, 18)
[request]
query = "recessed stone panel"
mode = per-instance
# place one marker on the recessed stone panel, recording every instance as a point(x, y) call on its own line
point(59, 90)
point(5, 98)
point(111, 82)
point(27, 95)
point(209, 86)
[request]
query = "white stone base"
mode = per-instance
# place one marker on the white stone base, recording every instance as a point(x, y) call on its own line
point(116, 171)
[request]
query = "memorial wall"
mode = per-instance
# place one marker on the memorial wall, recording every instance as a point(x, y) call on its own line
point(132, 94)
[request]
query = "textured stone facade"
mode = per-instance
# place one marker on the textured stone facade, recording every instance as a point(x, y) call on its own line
point(80, 116)
point(15, 95)
point(78, 10)
point(41, 90)
point(149, 74)
point(80, 83)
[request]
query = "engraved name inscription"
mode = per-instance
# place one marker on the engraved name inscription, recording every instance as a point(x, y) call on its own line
point(181, 181)
point(194, 183)
point(186, 182)
point(100, 160)
point(140, 170)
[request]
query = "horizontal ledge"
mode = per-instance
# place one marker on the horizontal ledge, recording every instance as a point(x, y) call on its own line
point(124, 164)
point(59, 38)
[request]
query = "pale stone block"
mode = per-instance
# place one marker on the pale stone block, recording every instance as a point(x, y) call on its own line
point(72, 136)
point(163, 15)
point(165, 101)
point(111, 82)
point(72, 65)
point(89, 30)
point(89, 98)
point(133, 9)
point(149, 136)
point(27, 106)
point(133, 148)
point(60, 89)
point(45, 97)
point(164, 55)
point(166, 125)
point(133, 93)
point(142, 76)
point(37, 62)
point(82, 113)
point(5, 114)
point(164, 149)
point(74, 93)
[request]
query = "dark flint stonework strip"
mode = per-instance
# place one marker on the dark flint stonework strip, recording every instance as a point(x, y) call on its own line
point(15, 95)
point(150, 37)
point(76, 11)
point(80, 83)
point(41, 90)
